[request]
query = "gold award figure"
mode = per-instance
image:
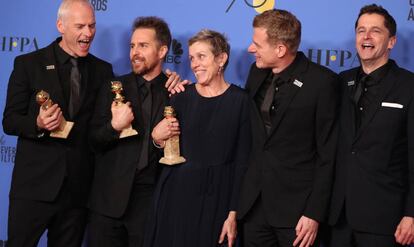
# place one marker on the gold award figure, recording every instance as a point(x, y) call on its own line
point(44, 100)
point(172, 145)
point(116, 87)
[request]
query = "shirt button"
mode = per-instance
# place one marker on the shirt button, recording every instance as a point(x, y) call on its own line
point(273, 107)
point(361, 108)
point(277, 89)
point(365, 89)
point(353, 152)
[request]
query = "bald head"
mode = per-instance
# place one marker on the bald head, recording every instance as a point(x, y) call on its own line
point(76, 24)
point(65, 6)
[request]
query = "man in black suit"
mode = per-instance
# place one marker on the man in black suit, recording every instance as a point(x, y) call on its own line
point(127, 168)
point(373, 195)
point(51, 176)
point(286, 189)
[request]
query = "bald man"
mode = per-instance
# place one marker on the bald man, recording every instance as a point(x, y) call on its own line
point(52, 176)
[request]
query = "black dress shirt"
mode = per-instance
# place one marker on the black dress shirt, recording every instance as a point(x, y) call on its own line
point(284, 78)
point(369, 87)
point(64, 67)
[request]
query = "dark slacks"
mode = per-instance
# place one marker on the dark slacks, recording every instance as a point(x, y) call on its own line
point(342, 235)
point(128, 230)
point(257, 232)
point(29, 219)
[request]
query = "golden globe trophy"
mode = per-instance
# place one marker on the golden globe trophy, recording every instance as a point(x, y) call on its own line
point(44, 100)
point(172, 145)
point(116, 87)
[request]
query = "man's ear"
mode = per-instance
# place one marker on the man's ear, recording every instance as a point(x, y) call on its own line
point(162, 52)
point(60, 27)
point(392, 42)
point(280, 50)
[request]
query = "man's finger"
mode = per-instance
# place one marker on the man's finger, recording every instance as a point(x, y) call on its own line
point(298, 238)
point(230, 241)
point(305, 241)
point(406, 238)
point(312, 238)
point(222, 235)
point(174, 82)
point(51, 109)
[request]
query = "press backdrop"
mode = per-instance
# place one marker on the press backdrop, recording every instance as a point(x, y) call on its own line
point(327, 38)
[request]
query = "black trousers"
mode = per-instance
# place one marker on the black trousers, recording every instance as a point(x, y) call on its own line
point(29, 219)
point(257, 232)
point(128, 230)
point(342, 235)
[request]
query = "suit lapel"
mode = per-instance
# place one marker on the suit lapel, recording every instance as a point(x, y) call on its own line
point(158, 95)
point(256, 79)
point(259, 77)
point(131, 92)
point(386, 84)
point(52, 84)
point(348, 107)
point(291, 91)
point(292, 88)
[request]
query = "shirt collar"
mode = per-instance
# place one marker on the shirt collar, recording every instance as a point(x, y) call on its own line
point(375, 76)
point(287, 75)
point(157, 80)
point(61, 55)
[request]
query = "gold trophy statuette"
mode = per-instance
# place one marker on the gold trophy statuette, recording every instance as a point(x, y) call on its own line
point(44, 100)
point(116, 87)
point(172, 145)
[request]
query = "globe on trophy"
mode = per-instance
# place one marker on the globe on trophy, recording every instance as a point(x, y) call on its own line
point(172, 145)
point(116, 88)
point(44, 100)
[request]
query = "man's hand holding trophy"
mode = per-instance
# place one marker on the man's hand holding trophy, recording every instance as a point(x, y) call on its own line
point(122, 114)
point(51, 118)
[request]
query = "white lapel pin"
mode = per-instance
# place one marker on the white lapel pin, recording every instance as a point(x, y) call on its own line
point(49, 67)
point(298, 83)
point(351, 83)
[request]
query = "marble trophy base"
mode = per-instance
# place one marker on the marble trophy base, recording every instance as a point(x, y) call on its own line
point(128, 132)
point(63, 130)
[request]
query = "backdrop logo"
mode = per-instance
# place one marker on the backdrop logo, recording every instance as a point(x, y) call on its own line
point(175, 53)
point(259, 5)
point(7, 153)
point(99, 5)
point(327, 57)
point(20, 44)
point(411, 12)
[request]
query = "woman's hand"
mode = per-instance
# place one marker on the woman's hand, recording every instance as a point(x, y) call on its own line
point(229, 229)
point(165, 129)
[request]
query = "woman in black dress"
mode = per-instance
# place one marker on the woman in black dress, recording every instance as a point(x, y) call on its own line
point(195, 202)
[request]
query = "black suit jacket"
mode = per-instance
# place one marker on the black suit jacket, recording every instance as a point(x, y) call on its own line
point(375, 165)
point(117, 159)
point(292, 166)
point(42, 163)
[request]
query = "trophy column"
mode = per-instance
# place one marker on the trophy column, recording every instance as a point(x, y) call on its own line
point(172, 145)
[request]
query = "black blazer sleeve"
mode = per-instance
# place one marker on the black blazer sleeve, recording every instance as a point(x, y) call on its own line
point(242, 152)
point(102, 133)
point(325, 138)
point(21, 110)
point(409, 201)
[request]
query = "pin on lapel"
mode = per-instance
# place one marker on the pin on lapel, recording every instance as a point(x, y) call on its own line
point(298, 83)
point(351, 83)
point(49, 67)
